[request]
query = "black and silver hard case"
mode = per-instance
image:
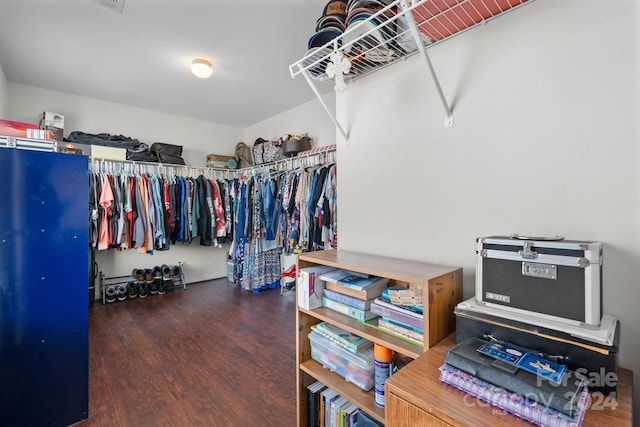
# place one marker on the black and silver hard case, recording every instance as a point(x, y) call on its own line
point(553, 278)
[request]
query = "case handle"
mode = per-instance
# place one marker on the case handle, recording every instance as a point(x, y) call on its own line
point(545, 239)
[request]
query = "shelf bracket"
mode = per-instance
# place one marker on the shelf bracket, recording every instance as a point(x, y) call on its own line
point(311, 83)
point(448, 120)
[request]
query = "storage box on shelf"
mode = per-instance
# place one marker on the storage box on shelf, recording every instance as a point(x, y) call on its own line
point(23, 130)
point(442, 287)
point(357, 368)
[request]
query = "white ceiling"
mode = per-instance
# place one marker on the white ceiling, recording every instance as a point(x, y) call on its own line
point(141, 57)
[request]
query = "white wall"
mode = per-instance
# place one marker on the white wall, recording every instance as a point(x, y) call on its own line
point(198, 139)
point(309, 118)
point(3, 94)
point(545, 142)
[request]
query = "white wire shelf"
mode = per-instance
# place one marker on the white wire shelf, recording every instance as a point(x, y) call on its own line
point(390, 34)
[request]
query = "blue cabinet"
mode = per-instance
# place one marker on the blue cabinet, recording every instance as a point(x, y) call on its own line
point(44, 362)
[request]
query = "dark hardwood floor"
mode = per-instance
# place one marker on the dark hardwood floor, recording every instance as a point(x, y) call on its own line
point(210, 355)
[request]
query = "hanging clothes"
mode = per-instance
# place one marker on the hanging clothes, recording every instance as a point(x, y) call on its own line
point(263, 215)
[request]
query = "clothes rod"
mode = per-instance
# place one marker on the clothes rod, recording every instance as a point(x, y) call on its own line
point(110, 165)
point(328, 150)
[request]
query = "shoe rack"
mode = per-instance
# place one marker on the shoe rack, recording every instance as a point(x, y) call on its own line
point(142, 283)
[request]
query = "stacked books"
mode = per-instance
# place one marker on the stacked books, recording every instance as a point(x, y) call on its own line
point(403, 321)
point(342, 338)
point(327, 408)
point(517, 380)
point(351, 293)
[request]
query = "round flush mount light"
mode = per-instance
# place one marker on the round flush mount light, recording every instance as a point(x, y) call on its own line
point(201, 68)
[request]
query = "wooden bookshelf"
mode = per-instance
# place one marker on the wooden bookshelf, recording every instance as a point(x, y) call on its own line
point(442, 290)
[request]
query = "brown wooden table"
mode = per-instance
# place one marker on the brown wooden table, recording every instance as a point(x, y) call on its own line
point(415, 397)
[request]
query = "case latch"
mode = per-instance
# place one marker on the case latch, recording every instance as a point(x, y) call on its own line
point(527, 251)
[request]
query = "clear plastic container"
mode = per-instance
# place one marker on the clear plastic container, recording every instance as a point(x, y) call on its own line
point(354, 367)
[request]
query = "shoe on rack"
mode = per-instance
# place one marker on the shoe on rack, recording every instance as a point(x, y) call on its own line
point(162, 288)
point(121, 291)
point(110, 293)
point(153, 287)
point(166, 272)
point(133, 289)
point(143, 290)
point(148, 275)
point(157, 272)
point(176, 271)
point(138, 274)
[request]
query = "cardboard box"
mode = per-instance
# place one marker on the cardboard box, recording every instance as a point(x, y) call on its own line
point(220, 161)
point(51, 120)
point(97, 151)
point(108, 153)
point(310, 286)
point(24, 130)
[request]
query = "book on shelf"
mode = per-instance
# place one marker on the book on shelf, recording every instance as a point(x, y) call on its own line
point(351, 279)
point(364, 294)
point(514, 403)
point(361, 315)
point(392, 326)
point(328, 395)
point(341, 337)
point(404, 325)
point(350, 416)
point(340, 416)
point(397, 313)
point(310, 286)
point(313, 403)
point(375, 324)
point(349, 300)
point(336, 404)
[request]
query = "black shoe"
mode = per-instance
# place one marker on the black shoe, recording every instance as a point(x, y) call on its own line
point(143, 290)
point(157, 273)
point(166, 272)
point(162, 289)
point(133, 290)
point(176, 271)
point(122, 291)
point(110, 293)
point(153, 287)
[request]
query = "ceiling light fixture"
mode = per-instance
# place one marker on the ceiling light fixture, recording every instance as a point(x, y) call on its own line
point(201, 68)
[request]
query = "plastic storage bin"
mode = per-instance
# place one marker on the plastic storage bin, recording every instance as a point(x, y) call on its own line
point(354, 367)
